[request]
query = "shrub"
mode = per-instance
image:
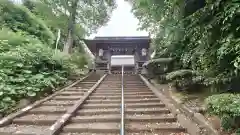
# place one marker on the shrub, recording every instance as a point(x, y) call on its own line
point(227, 107)
point(19, 18)
point(79, 59)
point(238, 131)
point(185, 80)
point(224, 104)
point(180, 74)
point(10, 39)
point(158, 67)
point(29, 69)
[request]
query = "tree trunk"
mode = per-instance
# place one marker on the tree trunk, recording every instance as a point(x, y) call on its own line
point(71, 28)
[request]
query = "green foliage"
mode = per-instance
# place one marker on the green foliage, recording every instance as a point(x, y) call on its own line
point(89, 16)
point(11, 39)
point(159, 61)
point(224, 104)
point(227, 122)
point(18, 18)
point(159, 66)
point(27, 69)
point(53, 21)
point(180, 74)
point(227, 107)
point(238, 131)
point(79, 59)
point(202, 36)
point(185, 80)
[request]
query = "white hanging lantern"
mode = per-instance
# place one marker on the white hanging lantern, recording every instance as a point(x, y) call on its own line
point(144, 52)
point(100, 53)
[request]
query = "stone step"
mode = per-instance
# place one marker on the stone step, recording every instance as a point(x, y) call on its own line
point(125, 93)
point(94, 111)
point(119, 81)
point(119, 91)
point(59, 102)
point(125, 87)
point(114, 127)
point(77, 89)
point(150, 100)
point(36, 119)
point(85, 133)
point(119, 97)
point(70, 93)
point(67, 97)
point(125, 96)
point(86, 86)
point(88, 82)
point(49, 110)
point(14, 129)
point(128, 118)
point(119, 88)
point(130, 105)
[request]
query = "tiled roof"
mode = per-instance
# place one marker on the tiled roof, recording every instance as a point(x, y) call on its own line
point(121, 38)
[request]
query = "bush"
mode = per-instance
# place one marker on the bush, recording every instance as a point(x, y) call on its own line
point(30, 68)
point(224, 104)
point(158, 67)
point(238, 131)
point(19, 18)
point(180, 74)
point(185, 80)
point(10, 39)
point(79, 59)
point(227, 107)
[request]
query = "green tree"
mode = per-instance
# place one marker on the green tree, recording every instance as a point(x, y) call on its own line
point(82, 17)
point(18, 18)
point(200, 35)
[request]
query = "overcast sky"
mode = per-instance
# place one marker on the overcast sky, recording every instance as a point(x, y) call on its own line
point(122, 23)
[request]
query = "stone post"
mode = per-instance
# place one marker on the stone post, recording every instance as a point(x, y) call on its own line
point(136, 57)
point(109, 61)
point(136, 68)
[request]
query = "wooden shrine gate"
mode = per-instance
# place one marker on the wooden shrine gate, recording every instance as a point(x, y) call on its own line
point(104, 48)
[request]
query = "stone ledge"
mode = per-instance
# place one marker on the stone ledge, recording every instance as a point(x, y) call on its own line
point(197, 117)
point(205, 127)
point(186, 122)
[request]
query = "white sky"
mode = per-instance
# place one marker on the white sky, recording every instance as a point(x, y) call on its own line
point(122, 23)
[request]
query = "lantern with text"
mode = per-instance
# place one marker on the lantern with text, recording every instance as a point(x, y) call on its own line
point(144, 52)
point(100, 53)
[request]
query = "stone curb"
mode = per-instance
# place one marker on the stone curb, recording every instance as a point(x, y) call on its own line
point(57, 126)
point(197, 117)
point(189, 116)
point(7, 120)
